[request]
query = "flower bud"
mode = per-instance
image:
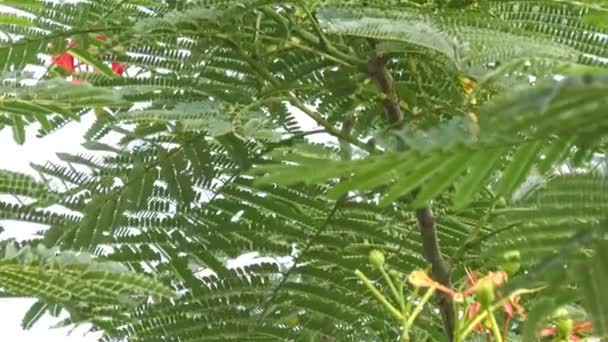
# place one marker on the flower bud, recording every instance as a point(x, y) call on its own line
point(500, 203)
point(562, 321)
point(394, 273)
point(485, 293)
point(511, 264)
point(119, 49)
point(93, 50)
point(512, 255)
point(376, 258)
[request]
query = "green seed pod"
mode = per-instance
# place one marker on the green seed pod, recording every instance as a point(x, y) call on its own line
point(376, 258)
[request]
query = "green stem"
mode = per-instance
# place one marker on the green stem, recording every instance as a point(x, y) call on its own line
point(379, 295)
point(494, 327)
point(419, 307)
point(410, 302)
point(469, 327)
point(263, 72)
point(457, 320)
point(312, 39)
point(405, 336)
point(329, 127)
point(392, 287)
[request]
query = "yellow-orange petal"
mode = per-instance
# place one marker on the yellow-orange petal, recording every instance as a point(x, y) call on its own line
point(498, 278)
point(495, 278)
point(419, 278)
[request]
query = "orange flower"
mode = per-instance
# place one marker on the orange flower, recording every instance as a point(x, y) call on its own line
point(496, 279)
point(577, 327)
point(419, 278)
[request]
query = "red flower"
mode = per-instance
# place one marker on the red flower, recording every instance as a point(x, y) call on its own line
point(577, 327)
point(118, 68)
point(64, 61)
point(513, 306)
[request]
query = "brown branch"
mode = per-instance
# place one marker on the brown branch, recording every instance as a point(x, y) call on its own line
point(439, 267)
point(431, 251)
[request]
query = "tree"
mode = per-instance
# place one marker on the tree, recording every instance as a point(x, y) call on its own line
point(455, 148)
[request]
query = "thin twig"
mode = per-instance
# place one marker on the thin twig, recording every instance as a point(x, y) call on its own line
point(296, 261)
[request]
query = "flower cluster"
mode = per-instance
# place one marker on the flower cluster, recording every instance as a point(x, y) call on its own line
point(564, 327)
point(481, 288)
point(66, 61)
point(484, 297)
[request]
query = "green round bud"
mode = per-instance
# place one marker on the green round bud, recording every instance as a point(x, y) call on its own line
point(511, 267)
point(485, 293)
point(93, 50)
point(511, 264)
point(500, 202)
point(376, 258)
point(119, 49)
point(563, 322)
point(512, 255)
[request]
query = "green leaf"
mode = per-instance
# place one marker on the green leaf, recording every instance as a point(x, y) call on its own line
point(593, 279)
point(444, 177)
point(518, 169)
point(18, 127)
point(482, 164)
point(406, 182)
point(89, 59)
point(33, 314)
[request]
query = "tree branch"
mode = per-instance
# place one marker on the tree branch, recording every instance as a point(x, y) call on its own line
point(431, 251)
point(312, 38)
point(264, 73)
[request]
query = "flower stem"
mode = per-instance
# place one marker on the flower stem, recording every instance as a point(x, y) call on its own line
point(469, 327)
point(419, 307)
point(457, 321)
point(494, 326)
point(379, 296)
point(391, 285)
point(408, 306)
